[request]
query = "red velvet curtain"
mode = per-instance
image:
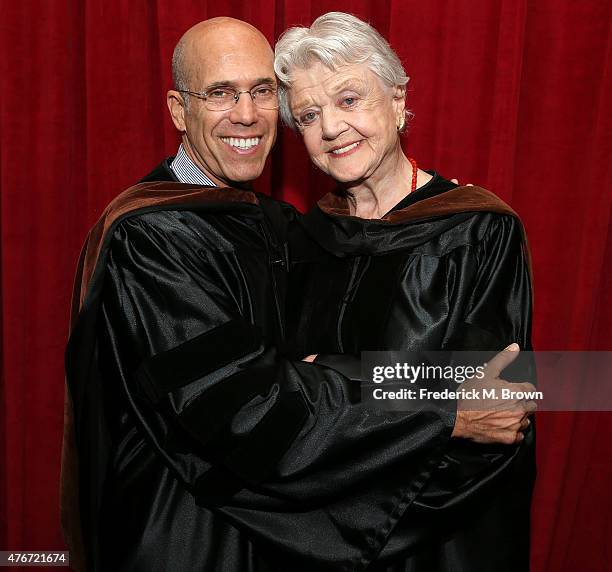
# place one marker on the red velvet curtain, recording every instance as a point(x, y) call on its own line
point(514, 95)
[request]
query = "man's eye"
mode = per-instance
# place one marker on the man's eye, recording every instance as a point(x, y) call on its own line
point(308, 117)
point(220, 94)
point(263, 92)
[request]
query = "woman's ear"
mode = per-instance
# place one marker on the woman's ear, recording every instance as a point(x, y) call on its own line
point(399, 105)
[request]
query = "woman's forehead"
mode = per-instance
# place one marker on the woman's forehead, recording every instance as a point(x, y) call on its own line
point(321, 79)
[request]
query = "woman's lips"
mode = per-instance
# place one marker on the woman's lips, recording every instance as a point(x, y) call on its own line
point(345, 150)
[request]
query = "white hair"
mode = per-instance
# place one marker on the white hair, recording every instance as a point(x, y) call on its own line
point(335, 38)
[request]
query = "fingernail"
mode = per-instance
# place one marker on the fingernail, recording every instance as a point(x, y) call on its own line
point(514, 347)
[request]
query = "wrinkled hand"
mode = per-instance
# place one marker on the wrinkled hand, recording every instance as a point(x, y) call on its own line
point(494, 420)
point(456, 181)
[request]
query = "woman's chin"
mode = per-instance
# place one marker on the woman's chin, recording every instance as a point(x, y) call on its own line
point(346, 177)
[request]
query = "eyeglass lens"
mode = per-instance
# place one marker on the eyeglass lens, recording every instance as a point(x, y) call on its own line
point(224, 99)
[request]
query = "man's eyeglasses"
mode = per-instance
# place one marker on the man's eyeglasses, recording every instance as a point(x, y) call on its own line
point(224, 98)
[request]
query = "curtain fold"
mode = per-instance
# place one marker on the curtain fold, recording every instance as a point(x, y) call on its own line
point(512, 95)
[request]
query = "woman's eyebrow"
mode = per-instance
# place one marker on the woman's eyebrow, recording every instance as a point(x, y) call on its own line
point(352, 84)
point(355, 84)
point(302, 104)
point(348, 83)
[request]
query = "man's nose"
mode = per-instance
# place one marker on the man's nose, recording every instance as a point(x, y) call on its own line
point(245, 111)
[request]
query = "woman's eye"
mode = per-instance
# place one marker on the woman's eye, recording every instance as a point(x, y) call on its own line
point(350, 101)
point(308, 117)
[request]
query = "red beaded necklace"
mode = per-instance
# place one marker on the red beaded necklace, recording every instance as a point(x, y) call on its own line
point(414, 174)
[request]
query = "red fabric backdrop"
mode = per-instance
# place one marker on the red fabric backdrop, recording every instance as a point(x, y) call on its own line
point(513, 95)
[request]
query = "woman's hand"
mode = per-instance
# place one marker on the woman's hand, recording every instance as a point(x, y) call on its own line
point(456, 181)
point(495, 420)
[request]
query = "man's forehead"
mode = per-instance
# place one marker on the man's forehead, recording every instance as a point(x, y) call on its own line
point(242, 66)
point(234, 78)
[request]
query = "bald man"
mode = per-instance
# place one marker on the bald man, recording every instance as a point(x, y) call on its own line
point(191, 442)
point(227, 129)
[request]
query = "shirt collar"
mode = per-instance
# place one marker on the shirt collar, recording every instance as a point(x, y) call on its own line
point(187, 171)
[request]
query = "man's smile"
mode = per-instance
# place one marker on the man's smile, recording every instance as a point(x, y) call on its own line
point(242, 144)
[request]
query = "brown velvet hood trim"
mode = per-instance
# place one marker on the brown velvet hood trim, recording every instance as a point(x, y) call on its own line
point(458, 200)
point(143, 196)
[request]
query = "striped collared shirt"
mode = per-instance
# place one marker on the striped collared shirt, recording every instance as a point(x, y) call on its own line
point(187, 171)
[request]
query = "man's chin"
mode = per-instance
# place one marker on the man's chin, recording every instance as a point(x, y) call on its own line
point(242, 179)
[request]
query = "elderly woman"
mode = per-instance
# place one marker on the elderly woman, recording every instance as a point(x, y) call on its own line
point(400, 258)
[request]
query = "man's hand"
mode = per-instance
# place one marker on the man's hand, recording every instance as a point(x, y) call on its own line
point(494, 420)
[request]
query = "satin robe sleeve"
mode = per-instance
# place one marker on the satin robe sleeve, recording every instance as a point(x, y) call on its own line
point(495, 290)
point(283, 449)
point(491, 282)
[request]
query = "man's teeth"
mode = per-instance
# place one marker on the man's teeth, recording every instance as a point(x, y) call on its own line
point(241, 143)
point(345, 149)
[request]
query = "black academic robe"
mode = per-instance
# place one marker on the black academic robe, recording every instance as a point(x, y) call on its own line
point(200, 445)
point(448, 269)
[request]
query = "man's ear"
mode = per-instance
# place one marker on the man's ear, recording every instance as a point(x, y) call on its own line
point(176, 106)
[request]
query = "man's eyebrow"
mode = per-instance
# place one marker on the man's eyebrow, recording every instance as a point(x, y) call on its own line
point(268, 80)
point(232, 84)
